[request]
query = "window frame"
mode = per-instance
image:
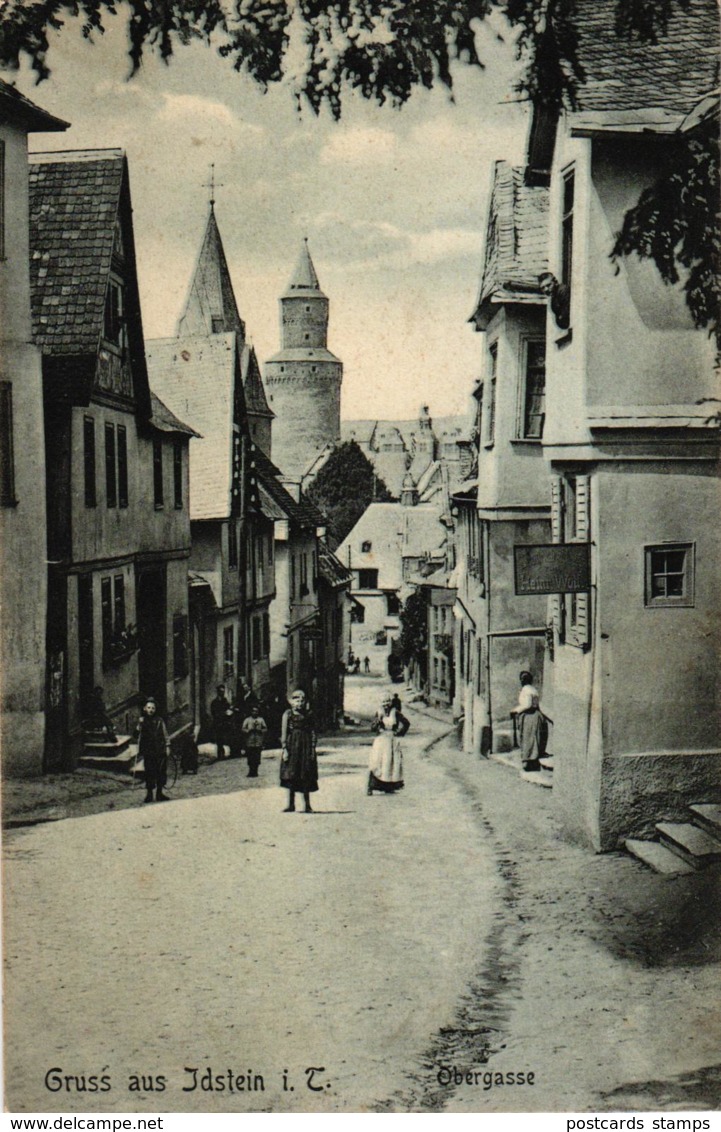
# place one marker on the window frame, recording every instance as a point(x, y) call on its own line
point(111, 466)
point(158, 486)
point(362, 572)
point(492, 392)
point(686, 600)
point(3, 252)
point(178, 475)
point(121, 453)
point(528, 344)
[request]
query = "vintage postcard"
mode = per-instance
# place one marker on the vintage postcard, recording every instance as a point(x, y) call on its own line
point(360, 558)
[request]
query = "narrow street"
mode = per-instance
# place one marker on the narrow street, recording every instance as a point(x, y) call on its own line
point(390, 940)
point(219, 931)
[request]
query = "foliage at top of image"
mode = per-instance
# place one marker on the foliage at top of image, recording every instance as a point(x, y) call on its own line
point(383, 48)
point(387, 48)
point(344, 488)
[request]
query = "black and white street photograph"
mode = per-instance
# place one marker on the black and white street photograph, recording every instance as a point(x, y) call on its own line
point(360, 558)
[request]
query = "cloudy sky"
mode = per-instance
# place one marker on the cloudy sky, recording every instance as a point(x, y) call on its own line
point(393, 202)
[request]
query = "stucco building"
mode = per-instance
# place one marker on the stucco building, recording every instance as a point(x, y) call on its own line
point(498, 632)
point(118, 529)
point(205, 372)
point(632, 452)
point(23, 533)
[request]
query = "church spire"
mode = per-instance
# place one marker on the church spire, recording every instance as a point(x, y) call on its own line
point(304, 277)
point(211, 307)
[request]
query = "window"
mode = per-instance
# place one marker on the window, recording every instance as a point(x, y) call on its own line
point(303, 575)
point(491, 419)
point(567, 229)
point(368, 579)
point(260, 551)
point(178, 475)
point(229, 655)
point(366, 547)
point(7, 455)
point(232, 545)
point(315, 571)
point(106, 613)
point(266, 634)
point(2, 200)
point(122, 466)
point(180, 646)
point(256, 626)
point(292, 575)
point(114, 322)
point(534, 389)
point(670, 575)
point(393, 604)
point(119, 603)
point(271, 548)
point(111, 482)
point(571, 522)
point(158, 473)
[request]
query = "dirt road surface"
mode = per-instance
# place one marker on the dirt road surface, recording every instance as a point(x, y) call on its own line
point(398, 942)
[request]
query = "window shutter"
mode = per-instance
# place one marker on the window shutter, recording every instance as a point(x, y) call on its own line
point(581, 634)
point(583, 516)
point(556, 528)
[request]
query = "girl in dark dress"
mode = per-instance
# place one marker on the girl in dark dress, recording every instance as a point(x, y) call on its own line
point(298, 764)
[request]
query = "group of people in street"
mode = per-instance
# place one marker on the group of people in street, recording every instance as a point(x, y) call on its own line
point(299, 760)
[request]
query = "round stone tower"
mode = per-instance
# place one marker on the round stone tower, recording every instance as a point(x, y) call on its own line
point(303, 381)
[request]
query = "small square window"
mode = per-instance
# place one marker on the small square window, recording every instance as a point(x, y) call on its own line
point(366, 547)
point(670, 574)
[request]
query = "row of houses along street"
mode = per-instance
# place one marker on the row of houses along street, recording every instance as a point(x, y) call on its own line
point(582, 544)
point(158, 538)
point(151, 546)
point(568, 533)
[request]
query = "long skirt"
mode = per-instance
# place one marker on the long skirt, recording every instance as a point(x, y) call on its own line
point(531, 737)
point(386, 763)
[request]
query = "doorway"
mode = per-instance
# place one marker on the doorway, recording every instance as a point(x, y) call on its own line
point(150, 597)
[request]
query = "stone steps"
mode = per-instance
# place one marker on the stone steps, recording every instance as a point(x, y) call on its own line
point(691, 843)
point(683, 847)
point(104, 757)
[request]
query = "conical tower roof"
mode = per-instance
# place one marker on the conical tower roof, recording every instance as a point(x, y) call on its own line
point(304, 279)
point(255, 399)
point(211, 307)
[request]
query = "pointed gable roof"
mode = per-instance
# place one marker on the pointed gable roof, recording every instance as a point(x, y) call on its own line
point(256, 401)
point(304, 278)
point(211, 307)
point(15, 107)
point(516, 240)
point(79, 206)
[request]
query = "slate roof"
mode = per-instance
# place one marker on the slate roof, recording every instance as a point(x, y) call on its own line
point(331, 569)
point(211, 307)
point(74, 200)
point(623, 74)
point(302, 513)
point(516, 242)
point(196, 379)
point(15, 107)
point(255, 399)
point(304, 280)
point(165, 421)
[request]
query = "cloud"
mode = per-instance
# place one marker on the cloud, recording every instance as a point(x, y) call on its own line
point(359, 145)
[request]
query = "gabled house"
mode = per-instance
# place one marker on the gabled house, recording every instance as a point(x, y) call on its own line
point(632, 452)
point(23, 534)
point(118, 532)
point(505, 633)
point(202, 373)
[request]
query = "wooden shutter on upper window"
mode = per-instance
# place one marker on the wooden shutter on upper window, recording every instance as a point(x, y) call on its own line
point(580, 634)
point(556, 536)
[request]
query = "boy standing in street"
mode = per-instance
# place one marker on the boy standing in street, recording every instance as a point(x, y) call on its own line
point(255, 730)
